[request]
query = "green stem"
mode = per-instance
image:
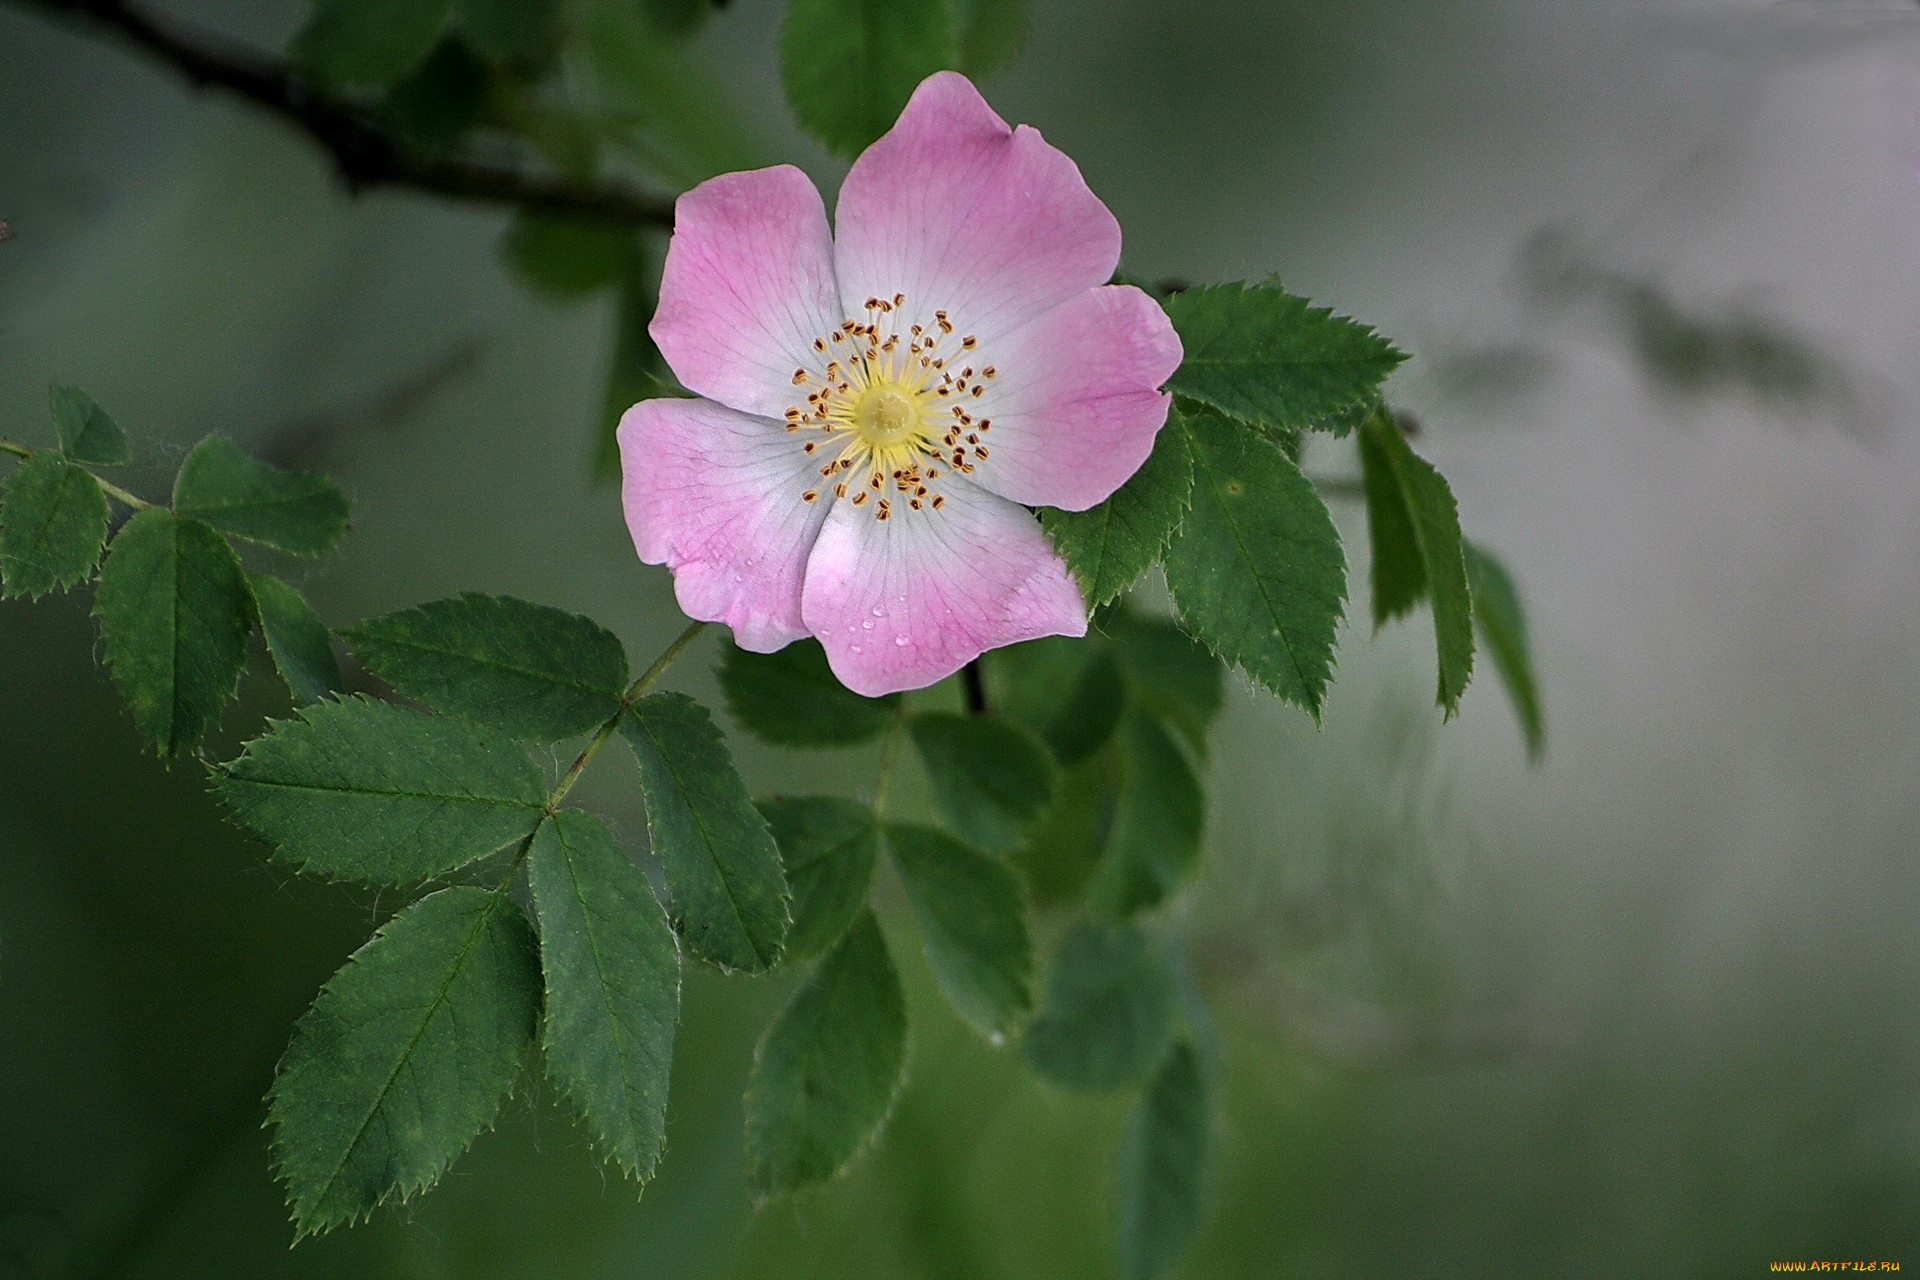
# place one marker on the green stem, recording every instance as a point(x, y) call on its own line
point(113, 490)
point(627, 699)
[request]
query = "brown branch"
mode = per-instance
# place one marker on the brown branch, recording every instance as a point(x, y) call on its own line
point(363, 155)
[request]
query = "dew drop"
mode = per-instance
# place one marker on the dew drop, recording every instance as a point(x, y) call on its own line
point(903, 641)
point(996, 1039)
point(867, 625)
point(855, 648)
point(879, 612)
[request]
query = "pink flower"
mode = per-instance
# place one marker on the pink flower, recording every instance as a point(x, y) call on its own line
point(881, 407)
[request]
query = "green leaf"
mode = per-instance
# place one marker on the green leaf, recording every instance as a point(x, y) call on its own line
point(1268, 358)
point(850, 65)
point(509, 31)
point(438, 101)
point(991, 32)
point(828, 846)
point(990, 778)
point(53, 522)
point(368, 42)
point(729, 894)
point(613, 986)
point(87, 432)
point(1111, 545)
point(1415, 527)
point(973, 916)
point(677, 17)
point(1157, 822)
point(174, 610)
point(792, 698)
point(567, 259)
point(297, 639)
point(364, 790)
point(528, 670)
point(299, 512)
point(1503, 627)
point(405, 1056)
point(1066, 690)
point(1066, 842)
point(1109, 1009)
point(1166, 1159)
point(826, 1072)
point(1257, 571)
point(1170, 673)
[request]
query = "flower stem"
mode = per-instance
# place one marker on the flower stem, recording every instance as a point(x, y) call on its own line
point(113, 490)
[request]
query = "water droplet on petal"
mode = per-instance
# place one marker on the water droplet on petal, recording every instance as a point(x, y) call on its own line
point(903, 641)
point(867, 625)
point(855, 648)
point(879, 612)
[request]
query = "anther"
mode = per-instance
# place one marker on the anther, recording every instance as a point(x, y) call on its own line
point(938, 502)
point(859, 497)
point(799, 376)
point(809, 495)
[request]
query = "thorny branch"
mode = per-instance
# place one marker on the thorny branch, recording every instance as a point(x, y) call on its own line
point(363, 155)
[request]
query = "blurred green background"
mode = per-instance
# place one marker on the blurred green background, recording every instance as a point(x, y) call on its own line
point(1647, 1010)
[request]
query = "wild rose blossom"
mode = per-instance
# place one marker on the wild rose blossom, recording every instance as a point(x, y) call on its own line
point(880, 407)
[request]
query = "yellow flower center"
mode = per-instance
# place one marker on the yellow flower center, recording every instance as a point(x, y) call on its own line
point(896, 412)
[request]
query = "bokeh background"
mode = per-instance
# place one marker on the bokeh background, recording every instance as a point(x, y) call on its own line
point(1649, 1009)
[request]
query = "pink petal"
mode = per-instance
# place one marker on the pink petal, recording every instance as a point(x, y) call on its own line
point(1076, 403)
point(962, 214)
point(747, 287)
point(901, 603)
point(715, 496)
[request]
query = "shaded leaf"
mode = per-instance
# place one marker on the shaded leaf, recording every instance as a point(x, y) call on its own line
point(850, 65)
point(1257, 570)
point(1503, 627)
point(1415, 527)
point(1066, 690)
point(174, 610)
point(299, 512)
point(1111, 545)
point(991, 33)
point(1064, 846)
point(87, 432)
point(1166, 1159)
point(1268, 358)
point(635, 368)
point(1109, 1009)
point(438, 101)
point(568, 258)
point(826, 1072)
point(730, 896)
point(301, 648)
point(525, 669)
point(368, 42)
point(510, 30)
point(612, 967)
point(1170, 673)
point(677, 17)
point(990, 778)
point(405, 1056)
point(792, 698)
point(1157, 820)
point(362, 790)
point(973, 917)
point(53, 523)
point(827, 846)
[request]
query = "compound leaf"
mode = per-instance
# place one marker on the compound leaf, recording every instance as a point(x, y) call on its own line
point(528, 670)
point(87, 432)
point(1166, 1157)
point(299, 512)
point(1257, 570)
point(301, 648)
point(405, 1056)
point(850, 65)
point(990, 778)
point(792, 698)
point(1157, 820)
point(730, 896)
point(174, 610)
point(826, 1072)
point(1109, 1009)
point(828, 846)
point(53, 523)
point(612, 967)
point(363, 790)
point(1111, 545)
point(973, 916)
point(1273, 360)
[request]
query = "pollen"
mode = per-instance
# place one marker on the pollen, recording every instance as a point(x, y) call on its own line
point(890, 410)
